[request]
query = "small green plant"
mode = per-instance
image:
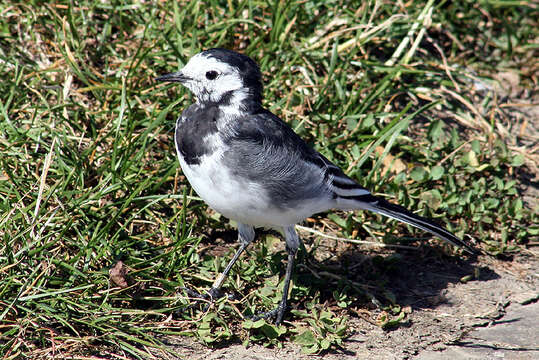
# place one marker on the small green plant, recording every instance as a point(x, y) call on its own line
point(325, 329)
point(264, 332)
point(213, 329)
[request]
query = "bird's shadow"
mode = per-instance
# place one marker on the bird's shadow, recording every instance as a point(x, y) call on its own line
point(372, 280)
point(415, 278)
point(375, 278)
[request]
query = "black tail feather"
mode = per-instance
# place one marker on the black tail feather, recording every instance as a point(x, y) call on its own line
point(397, 212)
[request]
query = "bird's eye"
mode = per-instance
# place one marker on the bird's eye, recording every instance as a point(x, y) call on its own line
point(210, 75)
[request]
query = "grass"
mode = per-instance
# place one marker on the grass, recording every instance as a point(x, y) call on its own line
point(401, 96)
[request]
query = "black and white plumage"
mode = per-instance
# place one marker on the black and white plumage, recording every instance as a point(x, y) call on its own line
point(250, 166)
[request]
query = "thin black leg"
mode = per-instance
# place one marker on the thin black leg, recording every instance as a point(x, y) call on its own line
point(292, 245)
point(289, 268)
point(246, 235)
point(219, 282)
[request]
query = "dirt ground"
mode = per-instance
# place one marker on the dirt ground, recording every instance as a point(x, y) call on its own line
point(445, 319)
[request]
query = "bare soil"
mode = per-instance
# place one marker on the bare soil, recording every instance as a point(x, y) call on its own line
point(445, 313)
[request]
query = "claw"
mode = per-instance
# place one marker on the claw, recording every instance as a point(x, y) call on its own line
point(192, 293)
point(277, 313)
point(209, 297)
point(212, 294)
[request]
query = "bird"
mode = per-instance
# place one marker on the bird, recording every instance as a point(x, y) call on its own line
point(250, 166)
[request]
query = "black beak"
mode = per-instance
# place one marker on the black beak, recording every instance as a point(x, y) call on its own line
point(173, 77)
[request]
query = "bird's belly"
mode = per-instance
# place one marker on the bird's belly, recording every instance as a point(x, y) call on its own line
point(238, 199)
point(242, 200)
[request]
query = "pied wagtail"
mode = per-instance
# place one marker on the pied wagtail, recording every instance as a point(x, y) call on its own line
point(250, 166)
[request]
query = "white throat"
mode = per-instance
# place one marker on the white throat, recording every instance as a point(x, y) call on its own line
point(234, 105)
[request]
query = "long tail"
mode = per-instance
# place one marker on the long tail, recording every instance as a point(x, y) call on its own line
point(359, 198)
point(381, 206)
point(350, 195)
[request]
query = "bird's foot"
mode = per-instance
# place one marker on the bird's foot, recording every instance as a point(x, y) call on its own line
point(208, 297)
point(277, 314)
point(212, 294)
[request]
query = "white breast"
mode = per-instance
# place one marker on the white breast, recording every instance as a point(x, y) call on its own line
point(235, 198)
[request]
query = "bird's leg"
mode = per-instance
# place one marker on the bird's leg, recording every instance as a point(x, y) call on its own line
point(292, 245)
point(246, 235)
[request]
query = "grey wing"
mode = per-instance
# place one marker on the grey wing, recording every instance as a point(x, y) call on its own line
point(263, 149)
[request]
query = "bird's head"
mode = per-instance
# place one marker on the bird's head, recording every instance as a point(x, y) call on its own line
point(220, 76)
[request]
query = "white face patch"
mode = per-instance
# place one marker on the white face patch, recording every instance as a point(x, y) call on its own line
point(206, 88)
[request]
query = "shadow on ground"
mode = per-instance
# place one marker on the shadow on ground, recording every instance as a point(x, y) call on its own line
point(416, 278)
point(450, 298)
